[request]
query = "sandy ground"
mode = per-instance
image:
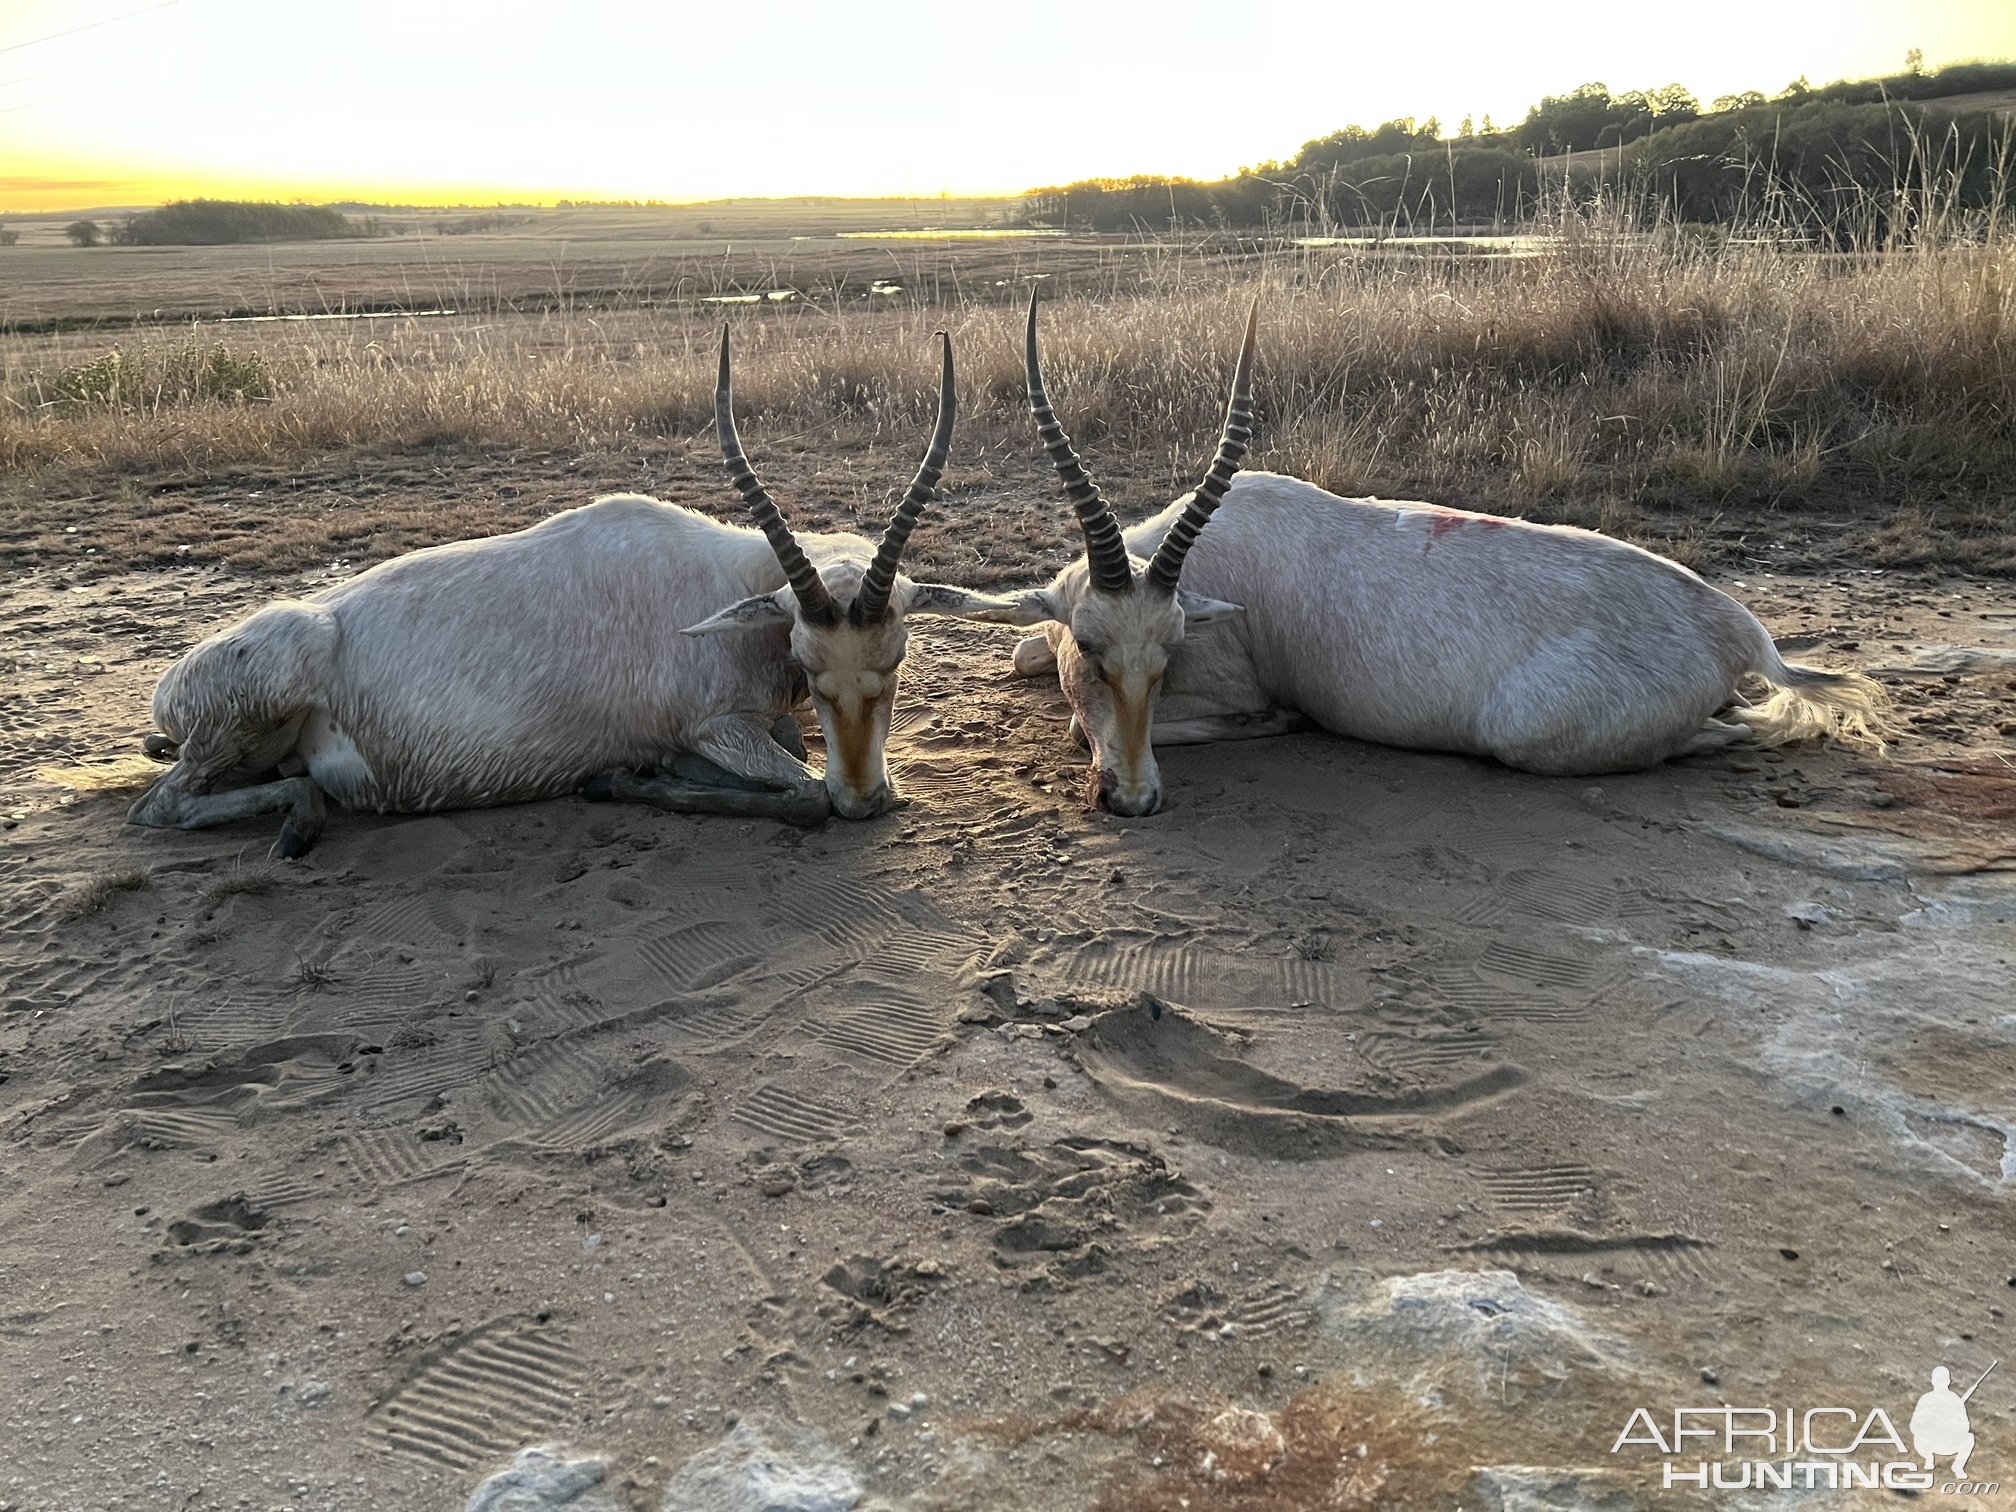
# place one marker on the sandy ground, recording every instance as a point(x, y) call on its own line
point(327, 1186)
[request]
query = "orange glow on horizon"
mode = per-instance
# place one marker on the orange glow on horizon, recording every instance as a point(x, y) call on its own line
point(125, 103)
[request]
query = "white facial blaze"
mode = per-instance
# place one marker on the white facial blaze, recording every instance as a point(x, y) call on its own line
point(851, 672)
point(1111, 668)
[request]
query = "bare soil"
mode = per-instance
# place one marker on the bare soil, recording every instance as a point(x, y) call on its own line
point(330, 1184)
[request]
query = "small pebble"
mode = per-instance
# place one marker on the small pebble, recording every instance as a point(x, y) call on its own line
point(416, 1278)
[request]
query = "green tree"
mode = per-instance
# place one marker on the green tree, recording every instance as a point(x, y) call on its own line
point(208, 222)
point(1673, 102)
point(1914, 61)
point(84, 233)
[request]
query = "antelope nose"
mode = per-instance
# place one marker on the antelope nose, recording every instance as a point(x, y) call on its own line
point(867, 805)
point(1109, 798)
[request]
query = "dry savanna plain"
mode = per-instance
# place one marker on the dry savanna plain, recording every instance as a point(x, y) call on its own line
point(1370, 1129)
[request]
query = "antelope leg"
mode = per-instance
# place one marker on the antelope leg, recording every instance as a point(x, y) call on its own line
point(677, 795)
point(1210, 727)
point(171, 804)
point(736, 767)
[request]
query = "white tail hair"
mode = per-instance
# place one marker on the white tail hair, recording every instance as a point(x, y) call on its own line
point(1808, 703)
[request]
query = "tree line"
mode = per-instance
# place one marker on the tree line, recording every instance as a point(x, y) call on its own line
point(212, 222)
point(1810, 151)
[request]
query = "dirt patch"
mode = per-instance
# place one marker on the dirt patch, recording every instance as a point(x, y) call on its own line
point(567, 1122)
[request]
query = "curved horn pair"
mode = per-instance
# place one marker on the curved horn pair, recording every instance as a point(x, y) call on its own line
point(873, 600)
point(1106, 553)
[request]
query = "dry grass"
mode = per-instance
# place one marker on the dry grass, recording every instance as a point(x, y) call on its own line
point(245, 879)
point(1604, 377)
point(96, 891)
point(122, 774)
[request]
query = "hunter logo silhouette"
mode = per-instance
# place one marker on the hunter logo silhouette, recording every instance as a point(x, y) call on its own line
point(1939, 1425)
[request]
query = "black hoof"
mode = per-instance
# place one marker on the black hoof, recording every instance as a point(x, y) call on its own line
point(600, 789)
point(160, 747)
point(293, 844)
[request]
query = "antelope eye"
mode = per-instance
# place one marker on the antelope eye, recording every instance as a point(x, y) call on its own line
point(1092, 652)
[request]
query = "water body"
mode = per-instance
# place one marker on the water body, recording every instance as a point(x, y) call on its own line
point(332, 315)
point(967, 233)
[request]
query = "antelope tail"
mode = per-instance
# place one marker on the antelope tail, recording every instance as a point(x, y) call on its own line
point(1808, 703)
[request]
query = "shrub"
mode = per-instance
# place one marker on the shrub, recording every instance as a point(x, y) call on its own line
point(158, 378)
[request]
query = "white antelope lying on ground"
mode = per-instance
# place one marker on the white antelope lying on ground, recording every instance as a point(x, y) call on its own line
point(587, 647)
point(1555, 650)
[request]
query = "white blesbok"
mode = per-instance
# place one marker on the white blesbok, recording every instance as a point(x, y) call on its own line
point(1554, 650)
point(592, 648)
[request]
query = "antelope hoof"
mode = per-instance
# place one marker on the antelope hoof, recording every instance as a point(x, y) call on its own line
point(600, 788)
point(786, 733)
point(303, 826)
point(160, 747)
point(297, 838)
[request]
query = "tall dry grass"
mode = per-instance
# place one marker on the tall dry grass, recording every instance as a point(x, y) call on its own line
point(1609, 370)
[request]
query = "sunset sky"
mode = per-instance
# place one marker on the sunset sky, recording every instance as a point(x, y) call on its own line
point(124, 102)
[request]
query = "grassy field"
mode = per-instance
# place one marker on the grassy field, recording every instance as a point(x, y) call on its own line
point(1700, 397)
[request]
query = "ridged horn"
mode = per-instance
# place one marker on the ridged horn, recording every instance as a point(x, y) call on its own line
point(805, 582)
point(1166, 570)
point(873, 601)
point(1104, 549)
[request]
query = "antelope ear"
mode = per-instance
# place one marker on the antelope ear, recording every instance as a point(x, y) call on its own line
point(1199, 610)
point(750, 614)
point(960, 603)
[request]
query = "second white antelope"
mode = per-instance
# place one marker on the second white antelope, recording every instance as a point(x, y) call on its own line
point(591, 648)
point(1552, 649)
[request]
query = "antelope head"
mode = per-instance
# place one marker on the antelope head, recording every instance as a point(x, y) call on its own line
point(1119, 619)
point(847, 620)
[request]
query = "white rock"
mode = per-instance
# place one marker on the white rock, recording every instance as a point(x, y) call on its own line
point(539, 1481)
point(777, 1468)
point(416, 1278)
point(1484, 1319)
